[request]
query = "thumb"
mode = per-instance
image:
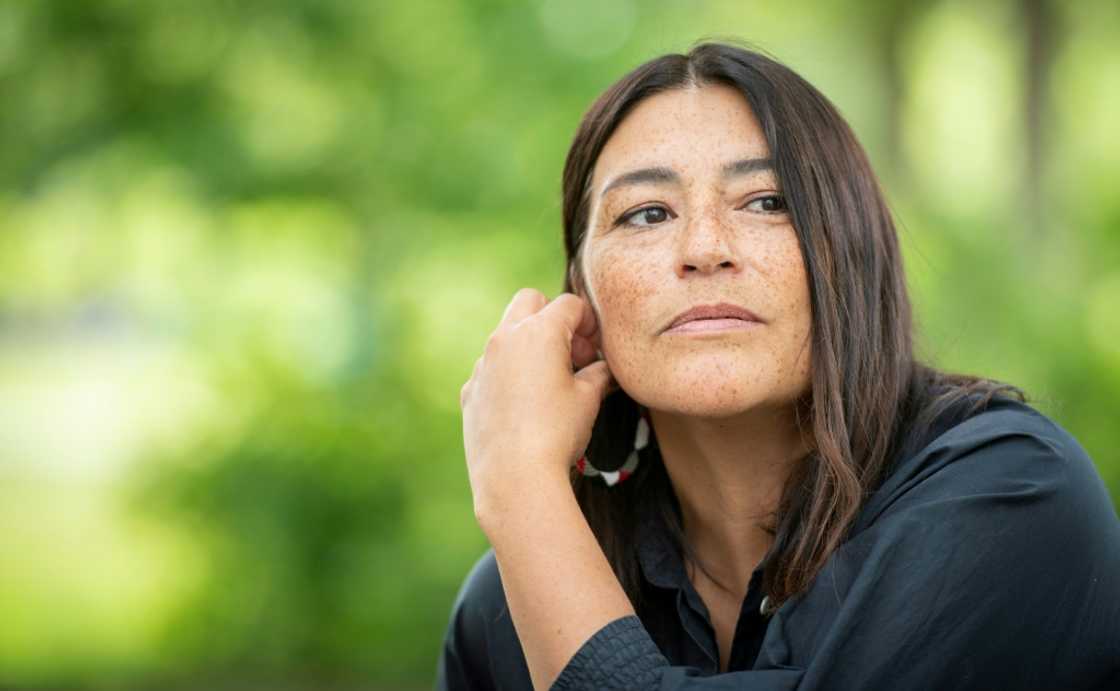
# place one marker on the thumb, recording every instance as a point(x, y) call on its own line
point(598, 376)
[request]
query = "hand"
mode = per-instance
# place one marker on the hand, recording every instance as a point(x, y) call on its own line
point(527, 416)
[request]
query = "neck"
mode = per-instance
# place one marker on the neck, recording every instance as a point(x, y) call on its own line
point(728, 475)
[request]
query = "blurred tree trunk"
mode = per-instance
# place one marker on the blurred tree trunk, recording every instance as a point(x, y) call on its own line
point(1039, 20)
point(894, 21)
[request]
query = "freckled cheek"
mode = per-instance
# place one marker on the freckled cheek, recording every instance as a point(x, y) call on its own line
point(623, 287)
point(791, 279)
point(796, 295)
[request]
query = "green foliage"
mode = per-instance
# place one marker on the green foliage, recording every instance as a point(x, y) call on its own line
point(249, 253)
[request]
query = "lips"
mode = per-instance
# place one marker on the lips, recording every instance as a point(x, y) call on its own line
point(723, 310)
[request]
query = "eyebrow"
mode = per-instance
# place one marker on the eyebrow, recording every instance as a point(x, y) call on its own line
point(660, 174)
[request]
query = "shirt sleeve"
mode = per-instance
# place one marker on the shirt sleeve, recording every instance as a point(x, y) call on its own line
point(993, 561)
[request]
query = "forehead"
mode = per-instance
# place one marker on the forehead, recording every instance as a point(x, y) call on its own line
point(691, 128)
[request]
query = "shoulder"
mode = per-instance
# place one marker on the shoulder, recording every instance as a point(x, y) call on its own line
point(1016, 442)
point(481, 594)
point(993, 535)
point(481, 639)
point(1010, 451)
point(1006, 419)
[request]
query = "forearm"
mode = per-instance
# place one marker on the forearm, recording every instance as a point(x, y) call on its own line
point(558, 583)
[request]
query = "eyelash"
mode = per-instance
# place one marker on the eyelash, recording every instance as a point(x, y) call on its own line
point(625, 218)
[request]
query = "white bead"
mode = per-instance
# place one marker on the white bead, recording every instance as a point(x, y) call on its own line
point(641, 437)
point(611, 477)
point(631, 462)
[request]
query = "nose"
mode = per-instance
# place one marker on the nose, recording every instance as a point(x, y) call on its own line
point(706, 246)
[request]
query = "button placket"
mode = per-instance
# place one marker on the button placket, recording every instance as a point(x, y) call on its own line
point(688, 617)
point(750, 626)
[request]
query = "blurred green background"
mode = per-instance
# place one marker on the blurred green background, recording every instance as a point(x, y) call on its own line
point(250, 251)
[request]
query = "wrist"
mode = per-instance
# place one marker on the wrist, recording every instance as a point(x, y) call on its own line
point(516, 500)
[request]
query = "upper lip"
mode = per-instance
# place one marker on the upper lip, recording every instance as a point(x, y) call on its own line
point(722, 310)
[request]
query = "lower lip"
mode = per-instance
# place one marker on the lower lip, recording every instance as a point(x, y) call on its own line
point(710, 325)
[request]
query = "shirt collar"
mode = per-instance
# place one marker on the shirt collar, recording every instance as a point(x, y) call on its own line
point(659, 557)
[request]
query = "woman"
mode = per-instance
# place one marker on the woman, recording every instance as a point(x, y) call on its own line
point(714, 461)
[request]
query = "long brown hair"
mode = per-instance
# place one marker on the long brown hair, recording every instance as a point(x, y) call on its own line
point(870, 399)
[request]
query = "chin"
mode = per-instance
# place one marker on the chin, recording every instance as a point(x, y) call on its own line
point(708, 404)
point(707, 395)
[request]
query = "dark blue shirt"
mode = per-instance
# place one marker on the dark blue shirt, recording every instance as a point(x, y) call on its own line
point(987, 559)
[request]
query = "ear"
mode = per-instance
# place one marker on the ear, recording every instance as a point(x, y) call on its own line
point(575, 277)
point(575, 280)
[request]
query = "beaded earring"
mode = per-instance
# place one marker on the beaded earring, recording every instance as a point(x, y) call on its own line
point(613, 477)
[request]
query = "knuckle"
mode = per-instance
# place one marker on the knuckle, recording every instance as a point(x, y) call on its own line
point(536, 297)
point(493, 342)
point(527, 292)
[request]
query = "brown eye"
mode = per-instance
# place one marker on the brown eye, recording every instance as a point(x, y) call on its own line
point(651, 214)
point(773, 203)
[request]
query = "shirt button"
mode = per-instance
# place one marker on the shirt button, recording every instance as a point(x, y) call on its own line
point(763, 604)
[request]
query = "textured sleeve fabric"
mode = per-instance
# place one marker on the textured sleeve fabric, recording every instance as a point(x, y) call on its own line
point(990, 559)
point(619, 655)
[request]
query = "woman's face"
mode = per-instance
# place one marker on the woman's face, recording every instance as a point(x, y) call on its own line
point(692, 235)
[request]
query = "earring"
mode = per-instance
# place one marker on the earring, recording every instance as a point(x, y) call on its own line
point(613, 477)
